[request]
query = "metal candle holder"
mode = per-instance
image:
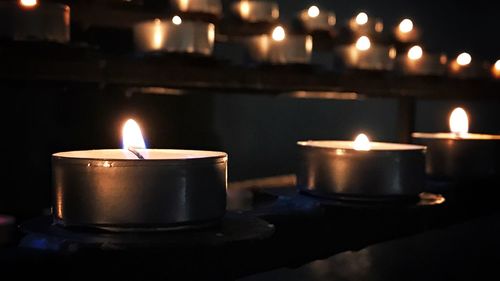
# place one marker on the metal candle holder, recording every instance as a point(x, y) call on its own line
point(175, 36)
point(333, 169)
point(44, 22)
point(175, 188)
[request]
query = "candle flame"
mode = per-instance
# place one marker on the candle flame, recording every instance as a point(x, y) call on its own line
point(244, 9)
point(497, 65)
point(406, 26)
point(362, 143)
point(393, 53)
point(443, 59)
point(279, 33)
point(313, 11)
point(464, 59)
point(157, 42)
point(459, 122)
point(363, 43)
point(28, 3)
point(496, 69)
point(176, 20)
point(379, 26)
point(183, 5)
point(361, 18)
point(132, 135)
point(415, 53)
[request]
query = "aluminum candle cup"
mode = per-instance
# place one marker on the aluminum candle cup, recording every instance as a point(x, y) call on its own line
point(175, 36)
point(111, 189)
point(43, 22)
point(315, 20)
point(376, 57)
point(427, 64)
point(454, 157)
point(335, 169)
point(256, 10)
point(294, 49)
point(212, 7)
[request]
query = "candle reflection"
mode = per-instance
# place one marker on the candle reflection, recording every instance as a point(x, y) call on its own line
point(157, 35)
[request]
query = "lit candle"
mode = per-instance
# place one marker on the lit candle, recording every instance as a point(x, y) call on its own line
point(361, 169)
point(460, 155)
point(406, 31)
point(29, 20)
point(280, 47)
point(175, 35)
point(212, 7)
point(420, 63)
point(363, 54)
point(135, 187)
point(315, 20)
point(465, 67)
point(362, 24)
point(256, 10)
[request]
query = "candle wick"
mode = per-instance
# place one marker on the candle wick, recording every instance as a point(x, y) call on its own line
point(135, 152)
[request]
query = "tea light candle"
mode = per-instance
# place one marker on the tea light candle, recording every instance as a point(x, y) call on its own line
point(137, 187)
point(212, 7)
point(256, 10)
point(406, 31)
point(361, 24)
point(420, 63)
point(315, 20)
point(460, 155)
point(363, 54)
point(360, 169)
point(29, 20)
point(175, 35)
point(464, 67)
point(281, 48)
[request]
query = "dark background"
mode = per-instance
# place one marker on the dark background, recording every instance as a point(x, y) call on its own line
point(258, 131)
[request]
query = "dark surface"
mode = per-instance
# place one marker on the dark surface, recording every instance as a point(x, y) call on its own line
point(306, 229)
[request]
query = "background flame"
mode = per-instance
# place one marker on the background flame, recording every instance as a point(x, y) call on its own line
point(459, 122)
point(362, 143)
point(132, 135)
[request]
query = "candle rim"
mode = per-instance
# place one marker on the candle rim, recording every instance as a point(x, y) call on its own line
point(453, 136)
point(348, 145)
point(176, 153)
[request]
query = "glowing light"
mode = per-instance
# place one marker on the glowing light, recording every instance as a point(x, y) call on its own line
point(363, 43)
point(28, 3)
point(157, 35)
point(313, 11)
point(279, 33)
point(362, 143)
point(497, 65)
point(132, 135)
point(464, 59)
point(393, 53)
point(459, 122)
point(443, 59)
point(361, 18)
point(406, 26)
point(379, 26)
point(415, 53)
point(183, 5)
point(244, 9)
point(309, 44)
point(176, 20)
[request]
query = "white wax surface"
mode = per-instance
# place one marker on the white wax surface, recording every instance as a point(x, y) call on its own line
point(453, 136)
point(377, 146)
point(149, 154)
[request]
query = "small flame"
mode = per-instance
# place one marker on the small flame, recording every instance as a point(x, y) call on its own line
point(132, 135)
point(157, 35)
point(363, 43)
point(279, 33)
point(28, 3)
point(313, 11)
point(406, 26)
point(496, 69)
point(362, 143)
point(393, 53)
point(415, 53)
point(464, 59)
point(176, 20)
point(459, 122)
point(244, 9)
point(443, 59)
point(379, 26)
point(361, 18)
point(497, 65)
point(183, 5)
